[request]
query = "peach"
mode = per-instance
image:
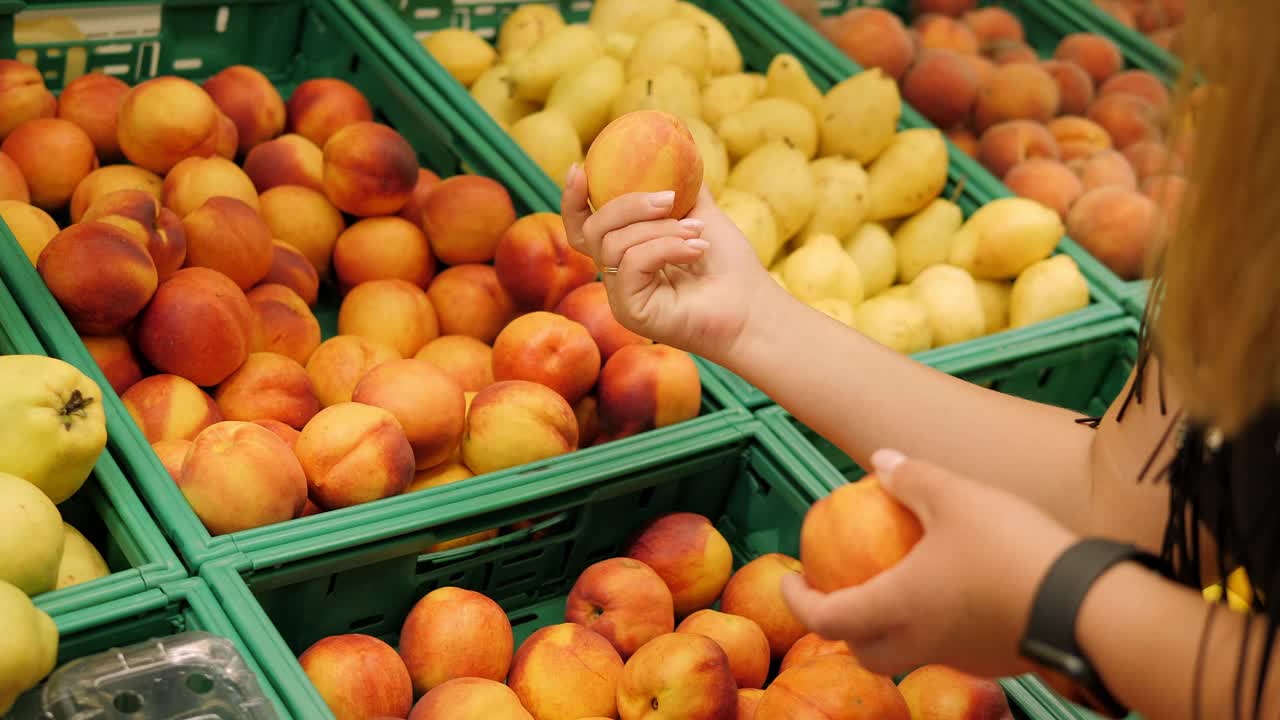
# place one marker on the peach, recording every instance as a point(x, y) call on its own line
point(741, 639)
point(321, 106)
point(226, 138)
point(943, 32)
point(249, 99)
point(166, 120)
point(287, 160)
point(227, 235)
point(453, 633)
point(238, 476)
point(427, 403)
point(354, 454)
point(1117, 226)
point(994, 23)
point(310, 508)
point(535, 264)
point(755, 592)
point(100, 276)
point(982, 68)
point(1048, 182)
point(1075, 87)
point(1005, 145)
point(874, 38)
point(1020, 91)
point(172, 454)
point(23, 96)
point(199, 325)
point(464, 217)
point(1151, 157)
point(470, 699)
point(833, 687)
point(589, 305)
point(442, 474)
point(305, 219)
point(292, 269)
point(1098, 55)
point(93, 102)
point(168, 407)
point(950, 8)
point(369, 169)
point(1078, 137)
point(393, 312)
point(31, 226)
point(1141, 83)
point(1011, 52)
point(1166, 191)
point(117, 360)
point(1105, 169)
point(54, 155)
point(268, 387)
point(470, 301)
point(109, 179)
point(282, 323)
point(854, 534)
point(412, 210)
point(195, 180)
point(284, 432)
point(748, 701)
point(624, 601)
point(564, 672)
point(587, 411)
point(339, 363)
point(965, 141)
point(943, 86)
point(383, 248)
point(678, 676)
point(358, 677)
point(1155, 15)
point(516, 422)
point(549, 349)
point(645, 151)
point(643, 387)
point(466, 360)
point(813, 646)
point(13, 187)
point(937, 691)
point(153, 227)
point(690, 556)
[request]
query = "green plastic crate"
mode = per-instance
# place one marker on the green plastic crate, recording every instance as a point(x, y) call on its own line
point(309, 39)
point(106, 510)
point(747, 482)
point(1135, 303)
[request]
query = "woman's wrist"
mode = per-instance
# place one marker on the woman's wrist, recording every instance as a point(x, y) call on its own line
point(766, 309)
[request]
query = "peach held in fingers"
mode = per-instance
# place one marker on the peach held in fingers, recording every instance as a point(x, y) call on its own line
point(812, 646)
point(1075, 87)
point(550, 349)
point(288, 160)
point(833, 687)
point(755, 592)
point(427, 403)
point(194, 181)
point(589, 305)
point(322, 106)
point(292, 269)
point(106, 180)
point(516, 422)
point(566, 672)
point(412, 210)
point(645, 151)
point(624, 601)
point(470, 698)
point(338, 365)
point(31, 226)
point(249, 99)
point(155, 228)
point(199, 325)
point(874, 38)
point(392, 312)
point(354, 454)
point(937, 691)
point(54, 155)
point(943, 86)
point(305, 219)
point(1078, 137)
point(369, 169)
point(13, 187)
point(1007, 144)
point(116, 358)
point(690, 556)
point(536, 265)
point(1048, 182)
point(23, 96)
point(643, 387)
point(226, 235)
point(359, 677)
point(268, 387)
point(238, 476)
point(383, 248)
point(100, 276)
point(172, 454)
point(166, 120)
point(464, 217)
point(454, 633)
point(1020, 91)
point(168, 407)
point(93, 102)
point(1117, 226)
point(854, 534)
point(470, 301)
point(741, 639)
point(466, 360)
point(1098, 55)
point(678, 676)
point(282, 323)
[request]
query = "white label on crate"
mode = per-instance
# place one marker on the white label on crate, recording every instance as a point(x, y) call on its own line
point(103, 23)
point(113, 49)
point(115, 69)
point(188, 64)
point(426, 13)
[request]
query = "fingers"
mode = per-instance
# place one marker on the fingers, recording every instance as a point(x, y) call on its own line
point(621, 212)
point(615, 244)
point(574, 208)
point(921, 486)
point(859, 615)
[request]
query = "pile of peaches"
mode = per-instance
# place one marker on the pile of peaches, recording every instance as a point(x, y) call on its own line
point(1159, 20)
point(200, 229)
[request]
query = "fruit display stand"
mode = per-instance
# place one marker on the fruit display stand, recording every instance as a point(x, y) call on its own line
point(308, 39)
point(746, 482)
point(106, 510)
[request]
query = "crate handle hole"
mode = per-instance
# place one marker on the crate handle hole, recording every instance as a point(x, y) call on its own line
point(367, 622)
point(199, 683)
point(128, 702)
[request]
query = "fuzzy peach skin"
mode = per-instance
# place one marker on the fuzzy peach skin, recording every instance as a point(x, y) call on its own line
point(93, 102)
point(359, 677)
point(587, 410)
point(23, 96)
point(589, 305)
point(1019, 91)
point(284, 432)
point(854, 534)
point(226, 139)
point(251, 101)
point(354, 454)
point(690, 556)
point(748, 700)
point(1075, 87)
point(874, 38)
point(338, 365)
point(227, 235)
point(282, 323)
point(813, 646)
point(833, 687)
point(741, 639)
point(755, 592)
point(1098, 55)
point(994, 23)
point(288, 160)
point(643, 387)
point(1118, 226)
point(1150, 158)
point(937, 692)
point(166, 120)
point(107, 180)
point(117, 360)
point(393, 312)
point(369, 169)
point(13, 187)
point(305, 219)
point(1129, 119)
point(239, 476)
point(168, 407)
point(942, 32)
point(464, 217)
point(464, 359)
point(443, 474)
point(517, 422)
point(1141, 83)
point(565, 672)
point(1078, 137)
point(54, 155)
point(100, 276)
point(470, 301)
point(198, 325)
point(412, 210)
point(624, 601)
point(1005, 145)
point(550, 349)
point(1105, 169)
point(195, 180)
point(172, 454)
point(454, 633)
point(153, 227)
point(321, 106)
point(31, 226)
point(268, 387)
point(470, 699)
point(645, 151)
point(1048, 182)
point(678, 676)
point(382, 248)
point(427, 403)
point(943, 85)
point(536, 265)
point(292, 269)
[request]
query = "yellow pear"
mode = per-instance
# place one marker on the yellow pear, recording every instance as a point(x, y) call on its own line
point(1046, 290)
point(551, 140)
point(908, 175)
point(619, 46)
point(787, 79)
point(555, 54)
point(841, 205)
point(671, 89)
point(628, 16)
point(495, 92)
point(925, 239)
point(768, 120)
point(899, 291)
point(778, 174)
point(722, 50)
point(586, 95)
point(524, 27)
point(1004, 237)
point(463, 53)
point(672, 41)
point(81, 561)
point(951, 300)
point(995, 295)
point(28, 645)
point(860, 116)
point(872, 248)
point(896, 321)
point(31, 537)
point(715, 158)
point(728, 94)
point(822, 269)
point(754, 218)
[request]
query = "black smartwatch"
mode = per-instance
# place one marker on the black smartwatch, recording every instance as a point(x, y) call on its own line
point(1050, 638)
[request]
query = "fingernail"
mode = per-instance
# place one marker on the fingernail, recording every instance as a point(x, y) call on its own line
point(886, 461)
point(697, 243)
point(568, 179)
point(664, 199)
point(692, 225)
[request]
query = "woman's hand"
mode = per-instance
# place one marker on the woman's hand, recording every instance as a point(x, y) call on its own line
point(691, 283)
point(961, 597)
